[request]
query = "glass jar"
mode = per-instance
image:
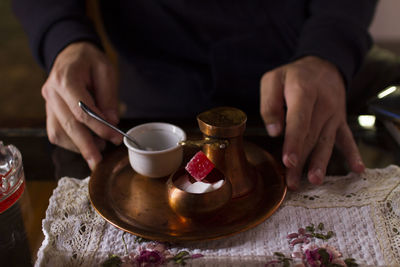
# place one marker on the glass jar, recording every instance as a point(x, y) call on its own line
point(12, 176)
point(14, 245)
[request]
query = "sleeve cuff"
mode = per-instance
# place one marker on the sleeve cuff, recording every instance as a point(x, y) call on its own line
point(343, 45)
point(63, 33)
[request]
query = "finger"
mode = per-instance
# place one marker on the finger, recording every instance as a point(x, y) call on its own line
point(346, 144)
point(293, 176)
point(77, 132)
point(56, 133)
point(105, 84)
point(272, 102)
point(300, 100)
point(322, 153)
point(57, 136)
point(312, 141)
point(73, 91)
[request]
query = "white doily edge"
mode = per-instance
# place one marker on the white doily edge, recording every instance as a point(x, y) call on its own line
point(46, 222)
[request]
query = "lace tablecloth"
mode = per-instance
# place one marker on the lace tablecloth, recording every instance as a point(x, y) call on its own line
point(353, 216)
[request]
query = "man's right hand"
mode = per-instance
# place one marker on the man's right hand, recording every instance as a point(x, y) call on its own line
point(81, 72)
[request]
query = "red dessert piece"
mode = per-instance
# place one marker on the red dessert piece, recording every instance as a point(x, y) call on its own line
point(199, 166)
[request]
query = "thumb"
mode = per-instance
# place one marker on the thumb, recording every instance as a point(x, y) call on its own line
point(272, 101)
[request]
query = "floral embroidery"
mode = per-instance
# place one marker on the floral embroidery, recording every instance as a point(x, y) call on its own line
point(304, 235)
point(149, 253)
point(307, 254)
point(312, 256)
point(323, 256)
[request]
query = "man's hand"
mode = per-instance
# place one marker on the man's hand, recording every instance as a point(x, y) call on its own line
point(313, 91)
point(81, 72)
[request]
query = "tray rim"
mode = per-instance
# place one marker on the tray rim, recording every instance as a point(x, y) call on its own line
point(126, 227)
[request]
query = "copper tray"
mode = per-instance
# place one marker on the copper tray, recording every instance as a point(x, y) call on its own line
point(139, 205)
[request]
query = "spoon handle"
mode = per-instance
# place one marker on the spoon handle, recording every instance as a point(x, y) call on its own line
point(91, 113)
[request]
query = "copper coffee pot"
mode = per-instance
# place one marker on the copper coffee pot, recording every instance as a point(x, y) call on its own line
point(223, 129)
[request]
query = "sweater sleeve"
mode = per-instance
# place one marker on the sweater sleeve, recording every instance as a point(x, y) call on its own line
point(51, 25)
point(338, 32)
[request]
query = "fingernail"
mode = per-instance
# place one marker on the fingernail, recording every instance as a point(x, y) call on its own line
point(112, 115)
point(92, 163)
point(316, 176)
point(273, 129)
point(360, 166)
point(117, 140)
point(292, 183)
point(290, 160)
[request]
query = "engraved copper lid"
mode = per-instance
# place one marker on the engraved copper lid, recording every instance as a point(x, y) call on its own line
point(222, 122)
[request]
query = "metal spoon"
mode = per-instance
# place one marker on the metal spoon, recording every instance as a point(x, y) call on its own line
point(91, 113)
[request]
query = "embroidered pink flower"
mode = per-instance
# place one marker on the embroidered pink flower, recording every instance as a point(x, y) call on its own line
point(322, 256)
point(311, 255)
point(153, 254)
point(152, 257)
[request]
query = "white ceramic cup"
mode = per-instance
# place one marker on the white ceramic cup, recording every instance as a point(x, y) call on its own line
point(163, 154)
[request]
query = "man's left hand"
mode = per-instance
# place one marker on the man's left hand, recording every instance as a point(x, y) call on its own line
point(315, 118)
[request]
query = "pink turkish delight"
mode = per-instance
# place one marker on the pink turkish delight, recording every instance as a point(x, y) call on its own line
point(199, 166)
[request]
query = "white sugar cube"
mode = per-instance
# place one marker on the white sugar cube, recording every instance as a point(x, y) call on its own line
point(217, 185)
point(183, 183)
point(199, 187)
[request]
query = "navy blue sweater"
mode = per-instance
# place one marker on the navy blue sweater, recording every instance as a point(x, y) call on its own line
point(206, 53)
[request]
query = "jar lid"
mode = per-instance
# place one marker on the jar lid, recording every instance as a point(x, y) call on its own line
point(222, 122)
